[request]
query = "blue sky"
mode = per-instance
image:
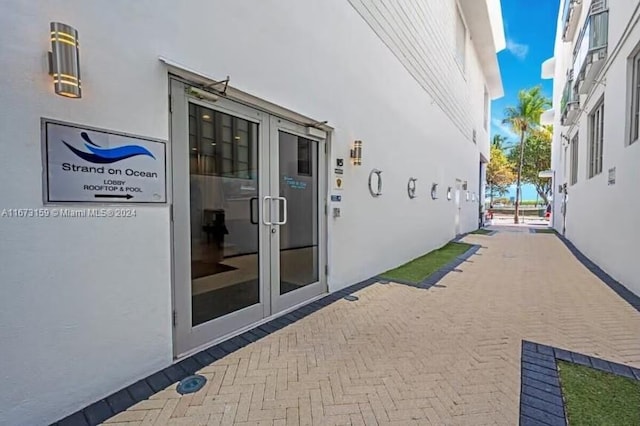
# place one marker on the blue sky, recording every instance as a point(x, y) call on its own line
point(530, 27)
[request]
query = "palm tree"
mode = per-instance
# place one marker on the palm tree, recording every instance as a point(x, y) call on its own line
point(524, 118)
point(498, 141)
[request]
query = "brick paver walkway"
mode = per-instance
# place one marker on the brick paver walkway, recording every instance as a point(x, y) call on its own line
point(403, 355)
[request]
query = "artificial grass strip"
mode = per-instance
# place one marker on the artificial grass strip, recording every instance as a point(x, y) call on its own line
point(545, 231)
point(481, 231)
point(593, 397)
point(419, 269)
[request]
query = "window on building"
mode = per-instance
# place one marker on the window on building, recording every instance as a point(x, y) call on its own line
point(461, 39)
point(634, 117)
point(574, 160)
point(596, 138)
point(486, 108)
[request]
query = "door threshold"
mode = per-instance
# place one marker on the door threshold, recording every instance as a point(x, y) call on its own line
point(251, 326)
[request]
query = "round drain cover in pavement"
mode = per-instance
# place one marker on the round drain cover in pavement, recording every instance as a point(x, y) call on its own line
point(191, 384)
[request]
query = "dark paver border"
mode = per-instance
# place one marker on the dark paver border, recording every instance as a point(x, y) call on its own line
point(622, 291)
point(141, 390)
point(541, 400)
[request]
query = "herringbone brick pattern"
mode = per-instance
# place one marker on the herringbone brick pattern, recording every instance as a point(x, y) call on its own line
point(449, 355)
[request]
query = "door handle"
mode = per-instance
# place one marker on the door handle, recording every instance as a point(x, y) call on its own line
point(284, 215)
point(264, 218)
point(251, 212)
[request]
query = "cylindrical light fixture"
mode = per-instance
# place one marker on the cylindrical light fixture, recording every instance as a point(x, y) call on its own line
point(356, 153)
point(65, 60)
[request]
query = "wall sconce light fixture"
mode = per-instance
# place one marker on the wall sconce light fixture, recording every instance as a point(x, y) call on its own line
point(467, 195)
point(434, 191)
point(64, 60)
point(356, 153)
point(411, 187)
point(449, 193)
point(473, 196)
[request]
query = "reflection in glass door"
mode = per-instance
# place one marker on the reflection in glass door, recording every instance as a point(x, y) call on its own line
point(296, 186)
point(246, 229)
point(223, 171)
point(221, 262)
point(298, 181)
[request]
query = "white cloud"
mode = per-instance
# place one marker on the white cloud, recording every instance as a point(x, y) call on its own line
point(504, 129)
point(518, 50)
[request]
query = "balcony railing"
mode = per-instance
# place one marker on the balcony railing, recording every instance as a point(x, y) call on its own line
point(592, 43)
point(570, 102)
point(570, 16)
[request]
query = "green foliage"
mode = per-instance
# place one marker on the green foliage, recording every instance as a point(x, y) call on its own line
point(597, 398)
point(500, 174)
point(498, 142)
point(524, 118)
point(537, 157)
point(482, 231)
point(526, 115)
point(420, 268)
point(546, 231)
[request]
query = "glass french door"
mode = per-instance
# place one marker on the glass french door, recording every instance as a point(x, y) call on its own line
point(297, 180)
point(247, 229)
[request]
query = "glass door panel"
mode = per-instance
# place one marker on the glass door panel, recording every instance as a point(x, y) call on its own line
point(221, 248)
point(297, 185)
point(247, 225)
point(223, 205)
point(298, 181)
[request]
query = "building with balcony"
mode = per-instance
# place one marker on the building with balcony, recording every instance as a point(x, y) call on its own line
point(596, 152)
point(176, 172)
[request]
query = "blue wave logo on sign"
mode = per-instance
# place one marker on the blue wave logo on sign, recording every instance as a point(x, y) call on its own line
point(107, 155)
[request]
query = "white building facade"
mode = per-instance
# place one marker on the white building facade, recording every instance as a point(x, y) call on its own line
point(202, 182)
point(596, 154)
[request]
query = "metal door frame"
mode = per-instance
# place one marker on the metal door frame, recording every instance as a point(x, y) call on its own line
point(186, 338)
point(279, 302)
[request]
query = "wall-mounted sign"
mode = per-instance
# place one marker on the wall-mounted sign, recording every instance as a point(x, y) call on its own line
point(338, 183)
point(612, 176)
point(336, 198)
point(88, 165)
point(338, 171)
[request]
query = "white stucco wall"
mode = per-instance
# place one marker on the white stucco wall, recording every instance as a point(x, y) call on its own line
point(602, 219)
point(85, 304)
